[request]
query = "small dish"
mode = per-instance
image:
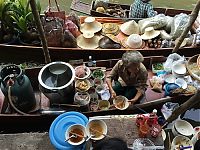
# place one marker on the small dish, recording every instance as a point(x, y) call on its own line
point(121, 102)
point(169, 78)
point(103, 105)
point(182, 141)
point(82, 72)
point(96, 129)
point(181, 82)
point(179, 69)
point(98, 73)
point(82, 98)
point(105, 95)
point(182, 127)
point(82, 85)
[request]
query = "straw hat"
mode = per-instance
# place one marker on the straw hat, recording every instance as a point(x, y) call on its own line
point(109, 42)
point(88, 40)
point(133, 41)
point(130, 27)
point(150, 33)
point(110, 28)
point(90, 25)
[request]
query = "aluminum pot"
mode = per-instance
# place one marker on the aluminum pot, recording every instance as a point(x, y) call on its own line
point(56, 81)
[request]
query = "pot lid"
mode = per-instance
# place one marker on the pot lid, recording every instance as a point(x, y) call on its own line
point(59, 127)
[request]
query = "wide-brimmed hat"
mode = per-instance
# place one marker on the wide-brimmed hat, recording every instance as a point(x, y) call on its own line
point(88, 40)
point(90, 25)
point(110, 28)
point(133, 41)
point(130, 27)
point(109, 41)
point(150, 33)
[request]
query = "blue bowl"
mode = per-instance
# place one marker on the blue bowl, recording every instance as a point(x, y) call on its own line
point(169, 87)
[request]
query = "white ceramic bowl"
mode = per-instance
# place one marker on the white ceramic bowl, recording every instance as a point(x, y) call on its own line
point(182, 127)
point(82, 85)
point(181, 140)
point(97, 128)
point(83, 72)
point(119, 104)
point(77, 129)
point(169, 78)
point(181, 82)
point(179, 69)
point(103, 105)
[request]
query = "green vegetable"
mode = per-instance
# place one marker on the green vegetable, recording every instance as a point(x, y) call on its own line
point(98, 74)
point(158, 66)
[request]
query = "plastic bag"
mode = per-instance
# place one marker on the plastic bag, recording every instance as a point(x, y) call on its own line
point(172, 59)
point(156, 22)
point(180, 21)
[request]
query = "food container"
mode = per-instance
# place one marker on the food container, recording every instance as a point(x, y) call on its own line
point(157, 67)
point(98, 81)
point(140, 142)
point(82, 72)
point(96, 129)
point(182, 127)
point(121, 102)
point(82, 98)
point(182, 141)
point(82, 85)
point(98, 73)
point(179, 70)
point(75, 134)
point(104, 104)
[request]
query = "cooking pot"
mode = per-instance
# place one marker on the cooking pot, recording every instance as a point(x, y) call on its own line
point(56, 81)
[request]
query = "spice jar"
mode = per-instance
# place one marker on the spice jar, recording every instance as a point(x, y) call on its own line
point(153, 118)
point(155, 130)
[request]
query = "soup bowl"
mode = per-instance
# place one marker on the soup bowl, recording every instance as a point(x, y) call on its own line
point(75, 134)
point(96, 129)
point(182, 141)
point(121, 102)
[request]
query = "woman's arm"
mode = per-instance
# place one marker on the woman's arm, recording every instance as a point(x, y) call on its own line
point(113, 76)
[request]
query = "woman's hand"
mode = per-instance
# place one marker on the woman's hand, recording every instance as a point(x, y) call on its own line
point(132, 101)
point(113, 94)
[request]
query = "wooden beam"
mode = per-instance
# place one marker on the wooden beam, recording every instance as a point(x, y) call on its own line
point(193, 17)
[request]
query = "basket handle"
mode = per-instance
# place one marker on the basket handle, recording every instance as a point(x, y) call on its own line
point(56, 5)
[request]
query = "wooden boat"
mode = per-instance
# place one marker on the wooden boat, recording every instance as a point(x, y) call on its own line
point(24, 53)
point(41, 119)
point(88, 9)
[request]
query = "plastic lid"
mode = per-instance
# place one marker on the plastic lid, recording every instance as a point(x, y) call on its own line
point(59, 127)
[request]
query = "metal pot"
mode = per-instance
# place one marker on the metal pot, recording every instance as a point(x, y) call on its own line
point(56, 81)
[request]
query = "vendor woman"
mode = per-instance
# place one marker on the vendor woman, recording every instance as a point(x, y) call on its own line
point(129, 76)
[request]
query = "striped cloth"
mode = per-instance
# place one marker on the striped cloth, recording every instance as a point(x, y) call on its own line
point(139, 9)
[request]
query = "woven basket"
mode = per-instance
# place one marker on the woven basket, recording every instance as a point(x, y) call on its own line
point(198, 62)
point(192, 66)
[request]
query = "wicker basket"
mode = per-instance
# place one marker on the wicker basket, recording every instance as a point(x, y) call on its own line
point(193, 68)
point(198, 62)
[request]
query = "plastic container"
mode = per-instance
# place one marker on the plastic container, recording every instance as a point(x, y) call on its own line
point(59, 127)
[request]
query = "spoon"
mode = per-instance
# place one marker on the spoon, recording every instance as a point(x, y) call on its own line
point(89, 137)
point(72, 136)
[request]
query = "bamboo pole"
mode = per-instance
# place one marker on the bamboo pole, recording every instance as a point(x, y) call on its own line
point(193, 17)
point(194, 100)
point(41, 31)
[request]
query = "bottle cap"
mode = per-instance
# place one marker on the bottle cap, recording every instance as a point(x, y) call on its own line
point(155, 111)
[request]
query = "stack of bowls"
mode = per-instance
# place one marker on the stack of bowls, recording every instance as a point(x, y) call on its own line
point(179, 70)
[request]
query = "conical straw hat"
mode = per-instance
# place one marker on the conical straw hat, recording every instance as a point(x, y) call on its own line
point(90, 25)
point(150, 33)
point(130, 27)
point(88, 40)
